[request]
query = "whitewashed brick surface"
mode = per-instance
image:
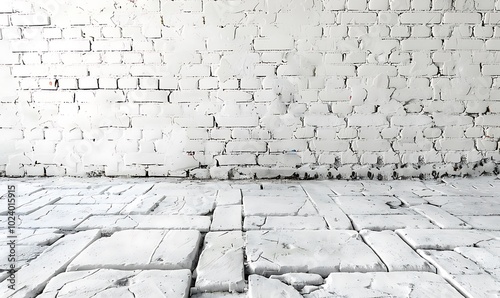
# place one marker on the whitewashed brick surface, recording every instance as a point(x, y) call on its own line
point(401, 88)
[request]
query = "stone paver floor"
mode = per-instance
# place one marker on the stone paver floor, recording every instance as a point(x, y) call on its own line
point(102, 237)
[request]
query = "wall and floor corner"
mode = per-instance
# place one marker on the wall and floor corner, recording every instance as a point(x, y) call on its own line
point(250, 88)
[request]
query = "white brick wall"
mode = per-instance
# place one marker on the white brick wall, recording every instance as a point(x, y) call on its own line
point(168, 87)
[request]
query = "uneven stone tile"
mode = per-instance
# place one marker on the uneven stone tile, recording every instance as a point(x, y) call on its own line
point(474, 209)
point(3, 275)
point(284, 223)
point(481, 256)
point(442, 239)
point(386, 284)
point(450, 262)
point(394, 252)
point(64, 216)
point(480, 285)
point(321, 252)
point(319, 194)
point(490, 222)
point(410, 199)
point(174, 222)
point(371, 205)
point(440, 217)
point(261, 287)
point(119, 283)
point(143, 204)
point(32, 278)
point(24, 254)
point(390, 222)
point(492, 245)
point(151, 249)
point(219, 295)
point(97, 199)
point(340, 188)
point(185, 205)
point(228, 197)
point(279, 205)
point(112, 223)
point(117, 189)
point(299, 280)
point(220, 267)
point(227, 218)
point(138, 189)
point(39, 237)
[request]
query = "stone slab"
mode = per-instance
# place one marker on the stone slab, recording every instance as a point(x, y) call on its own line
point(143, 204)
point(319, 195)
point(394, 252)
point(479, 285)
point(261, 287)
point(485, 258)
point(39, 237)
point(299, 280)
point(362, 205)
point(24, 254)
point(450, 262)
point(284, 223)
point(227, 218)
point(140, 250)
point(185, 205)
point(32, 278)
point(277, 206)
point(97, 199)
point(386, 284)
point(440, 217)
point(220, 267)
point(444, 239)
point(119, 283)
point(228, 197)
point(390, 222)
point(321, 252)
point(113, 223)
point(491, 222)
point(64, 216)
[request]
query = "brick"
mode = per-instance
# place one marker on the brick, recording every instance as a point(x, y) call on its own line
point(411, 120)
point(38, 19)
point(246, 146)
point(493, 44)
point(463, 44)
point(330, 145)
point(368, 70)
point(462, 18)
point(421, 44)
point(288, 146)
point(195, 70)
point(278, 43)
point(492, 18)
point(357, 18)
point(53, 96)
point(323, 120)
point(420, 18)
point(399, 4)
point(198, 121)
point(371, 145)
point(147, 96)
point(189, 96)
point(26, 45)
point(367, 120)
point(243, 121)
point(488, 120)
point(240, 159)
point(112, 45)
point(88, 83)
point(491, 70)
point(378, 4)
point(455, 144)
